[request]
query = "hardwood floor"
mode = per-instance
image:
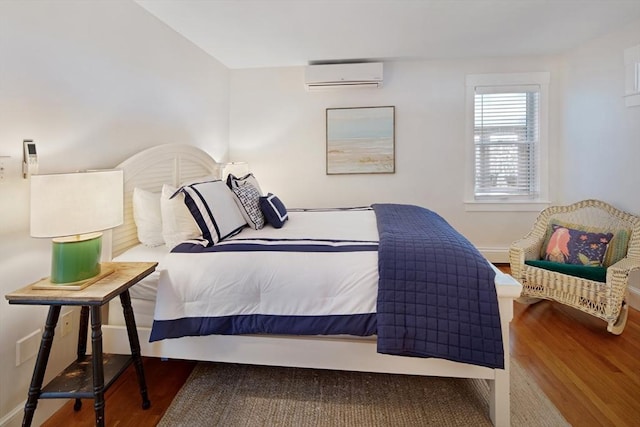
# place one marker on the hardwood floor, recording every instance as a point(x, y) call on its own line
point(123, 402)
point(591, 376)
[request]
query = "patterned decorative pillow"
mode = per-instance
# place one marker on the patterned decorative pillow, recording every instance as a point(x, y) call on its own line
point(579, 247)
point(247, 198)
point(274, 210)
point(233, 181)
point(213, 207)
point(616, 250)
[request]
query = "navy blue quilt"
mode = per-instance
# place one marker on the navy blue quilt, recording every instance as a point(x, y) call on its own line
point(436, 295)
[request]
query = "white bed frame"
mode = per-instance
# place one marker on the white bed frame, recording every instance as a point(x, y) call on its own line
point(174, 164)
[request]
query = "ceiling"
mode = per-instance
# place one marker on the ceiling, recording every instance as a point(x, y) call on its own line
point(277, 33)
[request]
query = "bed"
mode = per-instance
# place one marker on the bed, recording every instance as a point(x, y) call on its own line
point(177, 164)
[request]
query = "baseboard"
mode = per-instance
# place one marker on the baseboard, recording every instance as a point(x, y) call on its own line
point(496, 255)
point(13, 418)
point(46, 408)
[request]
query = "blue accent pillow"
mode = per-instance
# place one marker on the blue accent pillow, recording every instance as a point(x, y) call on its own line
point(275, 213)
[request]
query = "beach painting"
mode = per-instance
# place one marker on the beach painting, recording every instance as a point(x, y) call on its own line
point(360, 140)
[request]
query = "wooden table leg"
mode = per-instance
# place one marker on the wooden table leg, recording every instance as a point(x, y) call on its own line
point(134, 343)
point(41, 365)
point(82, 334)
point(82, 344)
point(98, 367)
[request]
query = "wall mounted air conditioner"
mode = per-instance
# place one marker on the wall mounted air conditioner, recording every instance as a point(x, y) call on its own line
point(343, 76)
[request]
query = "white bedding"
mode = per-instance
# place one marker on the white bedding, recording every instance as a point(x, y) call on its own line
point(143, 293)
point(349, 290)
point(146, 288)
point(274, 283)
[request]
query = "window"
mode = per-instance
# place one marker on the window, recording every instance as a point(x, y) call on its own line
point(507, 138)
point(505, 135)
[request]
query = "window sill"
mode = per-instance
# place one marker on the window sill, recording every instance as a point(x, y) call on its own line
point(505, 205)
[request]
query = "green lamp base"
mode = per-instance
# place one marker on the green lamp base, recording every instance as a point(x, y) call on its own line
point(75, 258)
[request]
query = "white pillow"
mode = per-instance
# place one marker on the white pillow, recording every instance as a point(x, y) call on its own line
point(200, 179)
point(178, 224)
point(214, 209)
point(146, 215)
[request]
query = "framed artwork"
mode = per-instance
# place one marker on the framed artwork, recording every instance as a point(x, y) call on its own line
point(360, 140)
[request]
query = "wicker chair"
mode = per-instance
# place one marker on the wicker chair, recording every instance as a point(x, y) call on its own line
point(605, 300)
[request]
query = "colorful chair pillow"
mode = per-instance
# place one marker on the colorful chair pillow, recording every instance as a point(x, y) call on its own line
point(571, 246)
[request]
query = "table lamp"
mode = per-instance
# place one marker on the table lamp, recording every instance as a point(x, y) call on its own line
point(237, 169)
point(74, 209)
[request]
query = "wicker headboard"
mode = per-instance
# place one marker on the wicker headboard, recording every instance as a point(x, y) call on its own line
point(150, 169)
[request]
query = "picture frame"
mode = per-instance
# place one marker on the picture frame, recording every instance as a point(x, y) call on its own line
point(360, 140)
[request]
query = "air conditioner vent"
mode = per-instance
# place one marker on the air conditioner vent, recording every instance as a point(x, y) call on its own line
point(343, 76)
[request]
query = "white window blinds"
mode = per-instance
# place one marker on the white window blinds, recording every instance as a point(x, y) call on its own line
point(506, 136)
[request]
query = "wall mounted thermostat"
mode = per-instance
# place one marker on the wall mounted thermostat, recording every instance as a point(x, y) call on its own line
point(30, 163)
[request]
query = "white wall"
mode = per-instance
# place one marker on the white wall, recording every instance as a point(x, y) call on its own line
point(279, 128)
point(91, 83)
point(601, 150)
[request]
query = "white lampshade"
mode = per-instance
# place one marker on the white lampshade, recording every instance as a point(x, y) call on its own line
point(237, 169)
point(76, 203)
point(73, 209)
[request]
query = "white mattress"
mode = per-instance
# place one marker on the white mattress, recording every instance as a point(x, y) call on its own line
point(143, 294)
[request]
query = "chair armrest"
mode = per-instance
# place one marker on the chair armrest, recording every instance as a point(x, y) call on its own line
point(618, 274)
point(521, 250)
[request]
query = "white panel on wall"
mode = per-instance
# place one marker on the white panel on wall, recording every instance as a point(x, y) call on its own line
point(632, 76)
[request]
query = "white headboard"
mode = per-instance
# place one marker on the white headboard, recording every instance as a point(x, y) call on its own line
point(150, 169)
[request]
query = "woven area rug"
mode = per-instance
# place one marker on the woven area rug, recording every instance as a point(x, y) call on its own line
point(218, 394)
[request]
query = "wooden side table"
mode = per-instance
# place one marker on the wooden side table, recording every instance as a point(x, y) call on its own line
point(89, 376)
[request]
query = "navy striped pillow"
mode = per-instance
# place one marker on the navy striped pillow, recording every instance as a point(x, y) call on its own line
point(213, 207)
